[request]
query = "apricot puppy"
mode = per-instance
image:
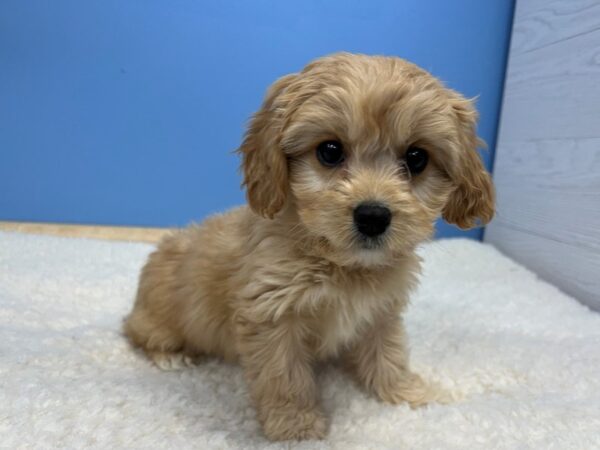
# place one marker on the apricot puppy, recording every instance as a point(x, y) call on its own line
point(347, 165)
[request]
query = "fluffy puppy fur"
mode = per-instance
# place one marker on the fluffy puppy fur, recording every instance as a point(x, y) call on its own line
point(289, 281)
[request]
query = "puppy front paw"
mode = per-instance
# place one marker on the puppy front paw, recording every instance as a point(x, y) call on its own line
point(287, 423)
point(409, 388)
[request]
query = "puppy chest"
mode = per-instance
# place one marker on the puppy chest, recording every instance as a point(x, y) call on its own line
point(341, 326)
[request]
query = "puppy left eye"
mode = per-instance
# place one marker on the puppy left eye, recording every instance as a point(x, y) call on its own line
point(416, 160)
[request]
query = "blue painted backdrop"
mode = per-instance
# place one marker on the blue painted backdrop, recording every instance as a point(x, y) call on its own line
point(126, 111)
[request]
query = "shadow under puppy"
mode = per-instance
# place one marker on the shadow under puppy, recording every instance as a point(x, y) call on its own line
point(347, 166)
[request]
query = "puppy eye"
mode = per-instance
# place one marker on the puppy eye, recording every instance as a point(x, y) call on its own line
point(330, 153)
point(416, 160)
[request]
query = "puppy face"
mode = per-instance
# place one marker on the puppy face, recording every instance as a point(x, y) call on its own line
point(368, 152)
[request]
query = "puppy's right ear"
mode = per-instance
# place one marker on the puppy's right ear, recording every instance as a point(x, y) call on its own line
point(264, 164)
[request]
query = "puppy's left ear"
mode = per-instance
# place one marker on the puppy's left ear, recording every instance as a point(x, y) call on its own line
point(473, 199)
point(264, 163)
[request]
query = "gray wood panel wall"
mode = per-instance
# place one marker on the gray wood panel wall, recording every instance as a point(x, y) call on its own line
point(547, 167)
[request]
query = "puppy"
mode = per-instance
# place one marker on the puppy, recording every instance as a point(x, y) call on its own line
point(347, 165)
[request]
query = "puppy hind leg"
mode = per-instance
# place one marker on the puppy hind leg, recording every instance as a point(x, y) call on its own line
point(172, 360)
point(160, 343)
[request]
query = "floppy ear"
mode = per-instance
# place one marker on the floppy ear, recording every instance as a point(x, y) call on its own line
point(472, 201)
point(264, 164)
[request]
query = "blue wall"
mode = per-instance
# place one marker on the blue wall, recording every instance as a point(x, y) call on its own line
point(126, 111)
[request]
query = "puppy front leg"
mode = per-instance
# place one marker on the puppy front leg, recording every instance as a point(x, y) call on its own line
point(380, 361)
point(281, 380)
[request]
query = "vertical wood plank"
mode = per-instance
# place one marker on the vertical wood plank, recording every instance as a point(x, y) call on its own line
point(547, 169)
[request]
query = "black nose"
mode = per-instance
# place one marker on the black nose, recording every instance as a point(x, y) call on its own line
point(372, 219)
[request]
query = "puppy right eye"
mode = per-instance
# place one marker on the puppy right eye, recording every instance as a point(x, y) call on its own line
point(330, 153)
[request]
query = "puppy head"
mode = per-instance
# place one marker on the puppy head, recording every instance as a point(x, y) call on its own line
point(367, 152)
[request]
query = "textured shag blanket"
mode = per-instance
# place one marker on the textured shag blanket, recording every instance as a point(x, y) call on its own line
point(523, 357)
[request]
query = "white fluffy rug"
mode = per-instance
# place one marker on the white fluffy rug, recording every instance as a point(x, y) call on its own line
point(525, 357)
